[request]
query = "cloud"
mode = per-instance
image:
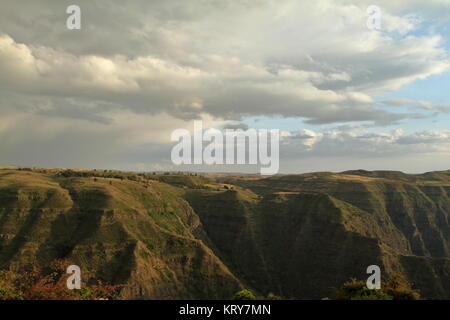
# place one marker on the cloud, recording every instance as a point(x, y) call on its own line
point(398, 102)
point(110, 94)
point(425, 105)
point(418, 105)
point(235, 126)
point(188, 58)
point(360, 143)
point(124, 140)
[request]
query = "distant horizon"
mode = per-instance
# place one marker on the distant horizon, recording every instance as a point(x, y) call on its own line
point(12, 167)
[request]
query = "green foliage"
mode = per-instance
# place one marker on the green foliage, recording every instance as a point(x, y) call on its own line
point(400, 290)
point(357, 290)
point(244, 295)
point(393, 289)
point(8, 290)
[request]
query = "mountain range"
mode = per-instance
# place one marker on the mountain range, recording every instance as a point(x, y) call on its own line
point(193, 236)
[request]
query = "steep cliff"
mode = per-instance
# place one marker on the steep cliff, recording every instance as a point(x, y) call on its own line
point(123, 231)
point(181, 236)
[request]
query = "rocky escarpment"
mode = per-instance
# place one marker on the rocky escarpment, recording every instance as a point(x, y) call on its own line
point(184, 236)
point(122, 232)
point(406, 216)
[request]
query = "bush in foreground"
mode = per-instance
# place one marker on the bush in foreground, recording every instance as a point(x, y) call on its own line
point(248, 295)
point(244, 295)
point(393, 289)
point(49, 283)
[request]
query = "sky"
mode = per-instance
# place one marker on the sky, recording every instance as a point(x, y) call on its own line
point(110, 94)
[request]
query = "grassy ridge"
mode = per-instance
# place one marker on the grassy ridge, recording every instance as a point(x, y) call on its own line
point(127, 232)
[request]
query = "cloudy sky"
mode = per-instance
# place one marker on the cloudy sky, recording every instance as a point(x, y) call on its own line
point(109, 95)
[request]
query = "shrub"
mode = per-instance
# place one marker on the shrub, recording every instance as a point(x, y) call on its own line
point(49, 283)
point(393, 289)
point(400, 290)
point(244, 295)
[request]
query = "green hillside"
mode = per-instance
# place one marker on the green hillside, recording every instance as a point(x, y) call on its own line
point(125, 231)
point(170, 236)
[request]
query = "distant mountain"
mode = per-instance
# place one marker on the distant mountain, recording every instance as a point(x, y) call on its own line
point(172, 236)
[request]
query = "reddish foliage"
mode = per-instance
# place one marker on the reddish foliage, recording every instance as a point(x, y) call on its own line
point(49, 283)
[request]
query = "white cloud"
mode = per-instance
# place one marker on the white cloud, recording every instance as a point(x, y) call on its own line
point(315, 60)
point(360, 143)
point(418, 105)
point(115, 89)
